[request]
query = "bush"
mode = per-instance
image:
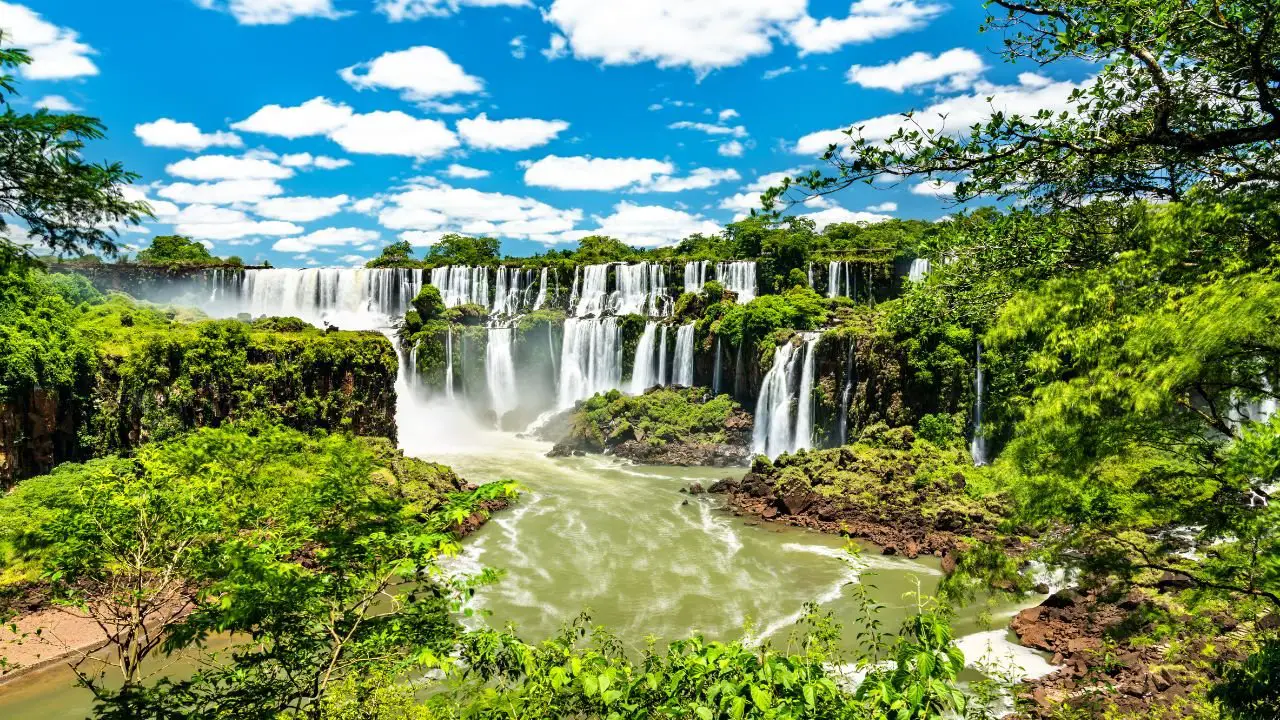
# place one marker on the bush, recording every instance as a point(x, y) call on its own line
point(939, 429)
point(428, 303)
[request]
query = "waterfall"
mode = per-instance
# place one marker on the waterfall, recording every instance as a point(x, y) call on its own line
point(448, 364)
point(633, 289)
point(657, 289)
point(695, 276)
point(774, 433)
point(508, 291)
point(594, 291)
point(804, 400)
point(590, 359)
point(644, 367)
point(739, 277)
point(834, 269)
point(573, 294)
point(461, 285)
point(357, 299)
point(662, 358)
point(919, 270)
point(715, 375)
point(810, 274)
point(978, 445)
point(500, 373)
point(542, 290)
point(846, 395)
point(683, 362)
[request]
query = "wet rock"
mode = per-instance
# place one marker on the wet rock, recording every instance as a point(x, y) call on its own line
point(723, 485)
point(696, 489)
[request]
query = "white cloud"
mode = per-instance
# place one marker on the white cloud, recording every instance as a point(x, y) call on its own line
point(328, 237)
point(168, 133)
point(742, 203)
point(588, 173)
point(867, 20)
point(395, 133)
point(737, 131)
point(557, 47)
point(779, 72)
point(955, 69)
point(217, 223)
point(649, 225)
point(833, 215)
point(56, 103)
point(518, 48)
point(419, 73)
point(954, 114)
point(884, 207)
point(733, 148)
point(699, 179)
point(224, 192)
point(273, 12)
point(306, 161)
point(317, 116)
point(422, 238)
point(941, 189)
point(164, 210)
point(355, 260)
point(442, 208)
point(516, 134)
point(400, 10)
point(728, 114)
point(467, 173)
point(228, 167)
point(711, 34)
point(56, 52)
point(773, 179)
point(302, 208)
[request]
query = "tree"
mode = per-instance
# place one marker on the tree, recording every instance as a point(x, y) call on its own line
point(397, 254)
point(1188, 93)
point(596, 249)
point(454, 249)
point(175, 250)
point(66, 204)
point(429, 304)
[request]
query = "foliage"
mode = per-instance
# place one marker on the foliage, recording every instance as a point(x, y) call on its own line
point(1187, 94)
point(454, 249)
point(64, 203)
point(302, 543)
point(1251, 690)
point(660, 416)
point(428, 303)
point(175, 250)
point(799, 308)
point(397, 254)
point(40, 346)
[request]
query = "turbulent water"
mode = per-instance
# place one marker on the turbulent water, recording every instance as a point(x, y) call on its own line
point(784, 410)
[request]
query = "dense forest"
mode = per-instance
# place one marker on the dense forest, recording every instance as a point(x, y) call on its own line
point(1074, 376)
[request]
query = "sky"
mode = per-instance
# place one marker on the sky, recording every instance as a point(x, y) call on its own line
point(314, 132)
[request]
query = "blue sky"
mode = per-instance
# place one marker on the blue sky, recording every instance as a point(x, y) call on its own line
point(312, 132)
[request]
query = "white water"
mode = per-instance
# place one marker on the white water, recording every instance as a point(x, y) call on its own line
point(978, 445)
point(774, 433)
point(837, 277)
point(682, 373)
point(448, 364)
point(804, 399)
point(590, 359)
point(508, 292)
point(739, 277)
point(715, 376)
point(846, 395)
point(500, 373)
point(695, 275)
point(594, 291)
point(541, 300)
point(645, 368)
point(351, 299)
point(461, 285)
point(919, 270)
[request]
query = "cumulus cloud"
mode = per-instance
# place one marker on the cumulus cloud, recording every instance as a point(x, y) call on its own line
point(466, 173)
point(515, 134)
point(955, 69)
point(208, 222)
point(302, 208)
point(737, 131)
point(440, 208)
point(317, 116)
point(588, 173)
point(224, 192)
point(884, 207)
point(955, 114)
point(649, 225)
point(273, 12)
point(779, 72)
point(711, 34)
point(168, 133)
point(699, 179)
point(395, 133)
point(941, 189)
point(733, 148)
point(557, 47)
point(306, 161)
point(56, 103)
point(518, 49)
point(401, 10)
point(418, 73)
point(326, 238)
point(56, 52)
point(228, 167)
point(728, 114)
point(834, 215)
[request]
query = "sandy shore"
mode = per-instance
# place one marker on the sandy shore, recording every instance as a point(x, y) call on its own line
point(44, 638)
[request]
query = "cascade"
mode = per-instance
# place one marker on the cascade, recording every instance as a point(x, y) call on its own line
point(804, 400)
point(846, 396)
point(774, 433)
point(657, 289)
point(837, 279)
point(590, 359)
point(919, 270)
point(594, 291)
point(364, 299)
point(573, 294)
point(508, 291)
point(683, 362)
point(715, 375)
point(460, 285)
point(643, 369)
point(810, 274)
point(633, 289)
point(542, 290)
point(500, 372)
point(739, 277)
point(695, 275)
point(448, 364)
point(978, 445)
point(662, 358)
